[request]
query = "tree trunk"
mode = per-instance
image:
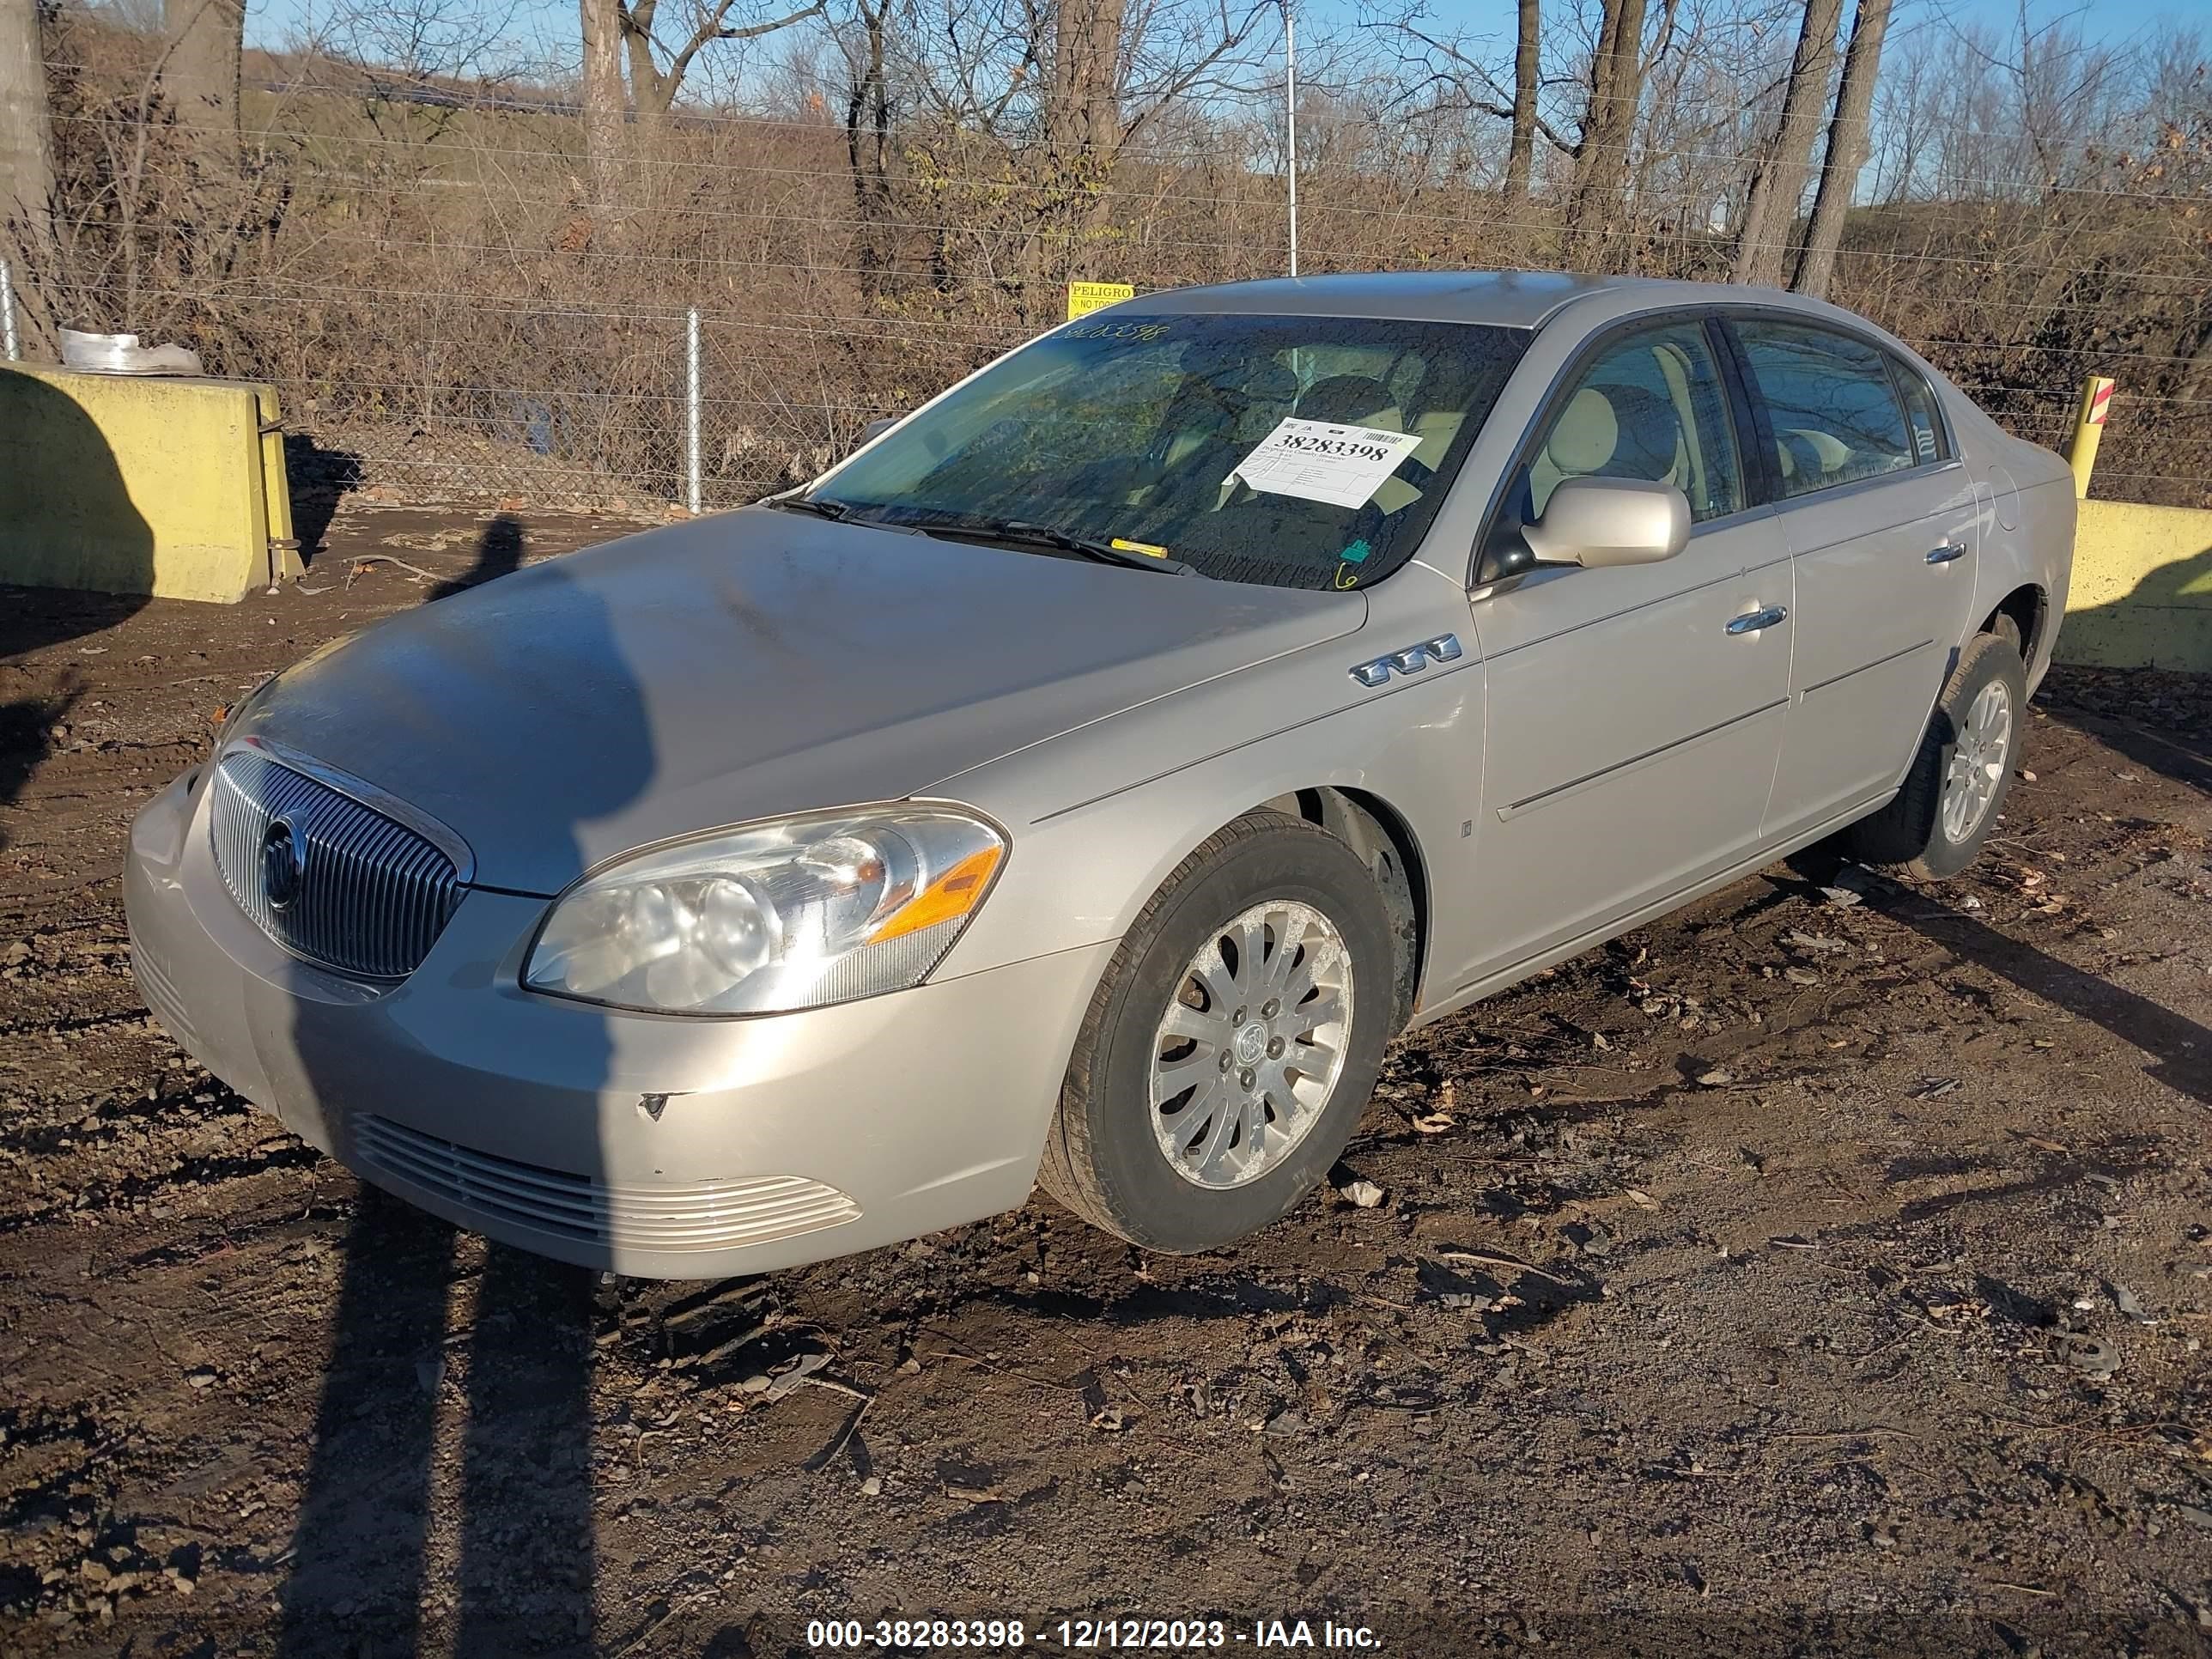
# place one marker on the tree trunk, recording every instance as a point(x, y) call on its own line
point(604, 104)
point(1527, 69)
point(1083, 122)
point(650, 91)
point(1081, 137)
point(27, 161)
point(1847, 148)
point(868, 145)
point(1616, 91)
point(1777, 188)
point(200, 76)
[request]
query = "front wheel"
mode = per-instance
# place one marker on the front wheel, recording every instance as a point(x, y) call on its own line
point(1233, 1044)
point(1957, 787)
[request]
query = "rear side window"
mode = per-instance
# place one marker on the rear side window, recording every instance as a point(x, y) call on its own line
point(1831, 403)
point(1928, 444)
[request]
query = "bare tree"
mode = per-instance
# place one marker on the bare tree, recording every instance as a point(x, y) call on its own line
point(403, 59)
point(1616, 93)
point(1450, 76)
point(1777, 187)
point(1902, 117)
point(1110, 68)
point(868, 139)
point(27, 156)
point(1083, 108)
point(653, 87)
point(1528, 79)
point(1847, 148)
point(200, 76)
point(604, 104)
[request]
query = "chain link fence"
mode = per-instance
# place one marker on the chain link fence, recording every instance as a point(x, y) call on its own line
point(451, 310)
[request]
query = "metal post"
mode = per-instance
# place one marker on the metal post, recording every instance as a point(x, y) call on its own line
point(7, 313)
point(1291, 122)
point(691, 389)
point(2088, 428)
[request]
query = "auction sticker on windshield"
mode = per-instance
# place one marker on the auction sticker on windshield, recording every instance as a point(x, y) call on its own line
point(1320, 461)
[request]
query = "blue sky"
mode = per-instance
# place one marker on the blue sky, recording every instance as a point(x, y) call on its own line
point(553, 22)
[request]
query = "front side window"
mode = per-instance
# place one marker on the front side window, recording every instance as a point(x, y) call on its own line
point(1229, 443)
point(1831, 401)
point(1649, 406)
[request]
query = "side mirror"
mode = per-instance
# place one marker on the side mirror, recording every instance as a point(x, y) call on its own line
point(1599, 522)
point(875, 429)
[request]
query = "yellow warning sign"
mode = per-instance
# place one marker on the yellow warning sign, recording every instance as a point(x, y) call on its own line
point(1083, 298)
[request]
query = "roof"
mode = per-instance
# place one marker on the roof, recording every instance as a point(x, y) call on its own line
point(1508, 299)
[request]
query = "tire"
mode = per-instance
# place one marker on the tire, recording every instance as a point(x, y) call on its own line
point(1261, 1145)
point(1924, 832)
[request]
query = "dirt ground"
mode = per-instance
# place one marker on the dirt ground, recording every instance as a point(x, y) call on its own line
point(1825, 1269)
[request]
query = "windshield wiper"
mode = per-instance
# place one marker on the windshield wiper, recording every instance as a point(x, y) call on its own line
point(823, 506)
point(1023, 533)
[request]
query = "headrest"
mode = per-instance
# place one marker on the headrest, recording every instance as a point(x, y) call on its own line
point(1651, 433)
point(1810, 454)
point(1583, 438)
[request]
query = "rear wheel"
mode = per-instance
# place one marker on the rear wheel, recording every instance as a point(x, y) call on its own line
point(1963, 771)
point(1233, 1044)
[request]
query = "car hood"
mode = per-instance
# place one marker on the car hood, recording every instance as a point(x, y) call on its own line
point(746, 665)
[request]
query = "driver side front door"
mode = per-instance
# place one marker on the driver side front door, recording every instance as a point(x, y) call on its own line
point(1635, 715)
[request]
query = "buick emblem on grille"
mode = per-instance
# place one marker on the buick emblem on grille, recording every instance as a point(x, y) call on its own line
point(283, 862)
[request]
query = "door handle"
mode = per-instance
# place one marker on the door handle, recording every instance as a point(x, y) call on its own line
point(1752, 621)
point(1946, 553)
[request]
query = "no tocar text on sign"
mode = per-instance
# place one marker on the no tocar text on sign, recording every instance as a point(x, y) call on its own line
point(1083, 298)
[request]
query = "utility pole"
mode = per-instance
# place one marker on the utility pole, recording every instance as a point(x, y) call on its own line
point(1291, 121)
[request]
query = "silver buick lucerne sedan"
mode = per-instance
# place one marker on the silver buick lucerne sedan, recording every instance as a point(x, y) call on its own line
point(1083, 782)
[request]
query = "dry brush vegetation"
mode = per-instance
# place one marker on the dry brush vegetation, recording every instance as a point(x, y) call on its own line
point(469, 286)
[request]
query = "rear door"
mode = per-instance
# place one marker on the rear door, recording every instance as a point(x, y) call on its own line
point(1635, 713)
point(1882, 524)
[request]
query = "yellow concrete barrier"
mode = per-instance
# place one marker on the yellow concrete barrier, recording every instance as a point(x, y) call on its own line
point(125, 484)
point(2142, 592)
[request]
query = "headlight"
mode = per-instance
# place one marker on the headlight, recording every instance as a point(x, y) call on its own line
point(772, 919)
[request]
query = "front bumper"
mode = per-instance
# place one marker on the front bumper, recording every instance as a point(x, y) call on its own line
point(666, 1147)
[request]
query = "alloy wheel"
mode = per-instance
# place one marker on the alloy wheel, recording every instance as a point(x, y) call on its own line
point(1251, 1046)
point(1978, 763)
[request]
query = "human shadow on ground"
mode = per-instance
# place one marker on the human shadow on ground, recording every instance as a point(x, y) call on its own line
point(437, 1338)
point(499, 551)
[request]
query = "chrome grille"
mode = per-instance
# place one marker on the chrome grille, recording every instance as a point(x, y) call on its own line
point(373, 895)
point(713, 1215)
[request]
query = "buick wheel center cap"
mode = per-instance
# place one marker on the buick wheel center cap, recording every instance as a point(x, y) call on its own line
point(1252, 1044)
point(283, 863)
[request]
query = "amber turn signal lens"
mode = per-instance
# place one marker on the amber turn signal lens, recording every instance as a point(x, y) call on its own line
point(953, 894)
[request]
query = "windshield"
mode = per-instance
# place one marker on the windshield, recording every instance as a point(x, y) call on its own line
point(1302, 451)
